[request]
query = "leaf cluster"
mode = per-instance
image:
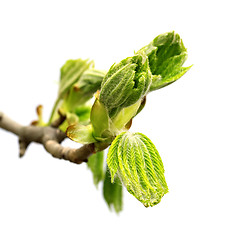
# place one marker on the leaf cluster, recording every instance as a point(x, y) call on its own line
point(119, 95)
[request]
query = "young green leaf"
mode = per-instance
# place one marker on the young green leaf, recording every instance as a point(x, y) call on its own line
point(71, 72)
point(112, 192)
point(166, 54)
point(134, 158)
point(95, 163)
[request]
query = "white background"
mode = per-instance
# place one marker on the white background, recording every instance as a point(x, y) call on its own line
point(188, 121)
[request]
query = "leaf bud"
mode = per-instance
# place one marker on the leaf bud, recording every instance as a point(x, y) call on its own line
point(125, 83)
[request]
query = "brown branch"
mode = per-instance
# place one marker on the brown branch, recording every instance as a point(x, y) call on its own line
point(49, 137)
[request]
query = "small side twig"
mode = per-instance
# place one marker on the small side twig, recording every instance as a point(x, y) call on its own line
point(58, 121)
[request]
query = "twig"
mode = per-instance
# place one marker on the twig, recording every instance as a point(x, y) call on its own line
point(58, 121)
point(49, 137)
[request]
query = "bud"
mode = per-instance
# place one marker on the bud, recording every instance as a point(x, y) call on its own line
point(125, 83)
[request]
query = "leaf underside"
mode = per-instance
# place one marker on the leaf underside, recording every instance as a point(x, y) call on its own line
point(112, 192)
point(95, 164)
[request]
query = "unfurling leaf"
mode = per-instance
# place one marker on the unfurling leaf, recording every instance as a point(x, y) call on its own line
point(90, 81)
point(95, 163)
point(112, 192)
point(134, 159)
point(83, 89)
point(71, 72)
point(166, 54)
point(125, 83)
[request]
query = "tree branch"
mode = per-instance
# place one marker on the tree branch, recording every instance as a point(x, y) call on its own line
point(50, 137)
